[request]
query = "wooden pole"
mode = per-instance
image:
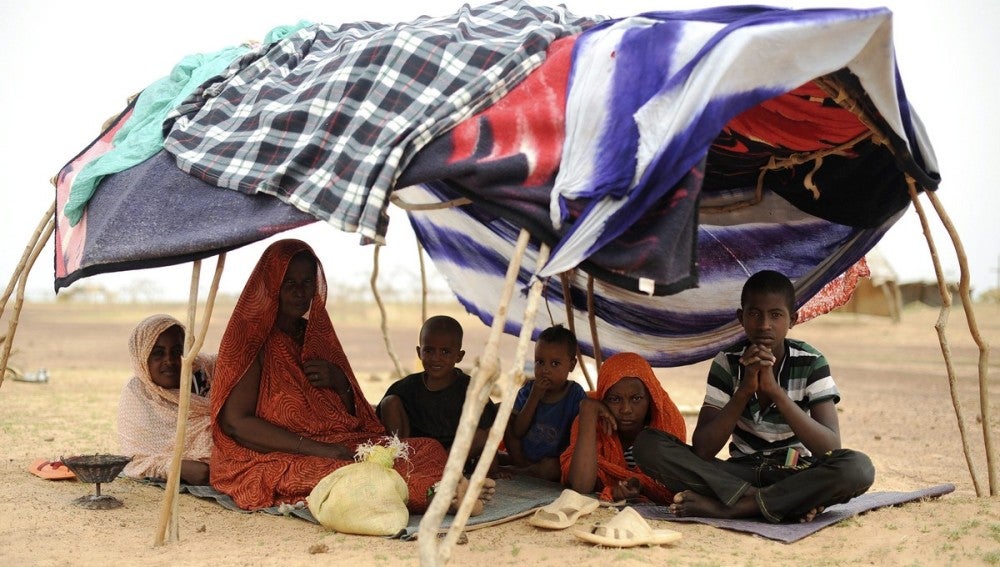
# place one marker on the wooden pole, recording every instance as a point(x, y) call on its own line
point(984, 347)
point(509, 384)
point(423, 283)
point(168, 528)
point(42, 224)
point(592, 317)
point(40, 237)
point(479, 388)
point(571, 321)
point(385, 318)
point(836, 90)
point(941, 327)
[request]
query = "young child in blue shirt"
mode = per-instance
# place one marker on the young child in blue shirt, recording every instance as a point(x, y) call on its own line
point(539, 427)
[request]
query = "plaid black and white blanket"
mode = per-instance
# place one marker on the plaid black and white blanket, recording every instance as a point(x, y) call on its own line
point(327, 118)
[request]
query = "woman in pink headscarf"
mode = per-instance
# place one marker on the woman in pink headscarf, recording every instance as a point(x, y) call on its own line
point(147, 409)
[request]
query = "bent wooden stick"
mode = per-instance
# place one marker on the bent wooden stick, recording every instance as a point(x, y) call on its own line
point(40, 237)
point(941, 327)
point(433, 552)
point(423, 283)
point(571, 321)
point(509, 384)
point(592, 317)
point(984, 347)
point(168, 528)
point(834, 88)
point(385, 318)
point(35, 237)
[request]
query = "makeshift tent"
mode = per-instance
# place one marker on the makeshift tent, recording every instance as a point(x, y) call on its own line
point(630, 173)
point(879, 293)
point(654, 207)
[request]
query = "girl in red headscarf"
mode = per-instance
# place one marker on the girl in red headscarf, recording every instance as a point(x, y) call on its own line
point(286, 407)
point(629, 398)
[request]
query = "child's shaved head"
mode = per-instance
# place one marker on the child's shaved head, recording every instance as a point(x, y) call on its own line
point(441, 325)
point(769, 281)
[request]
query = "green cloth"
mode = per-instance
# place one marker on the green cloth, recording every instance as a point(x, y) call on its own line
point(142, 136)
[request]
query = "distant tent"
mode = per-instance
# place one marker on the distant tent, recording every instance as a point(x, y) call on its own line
point(927, 293)
point(879, 294)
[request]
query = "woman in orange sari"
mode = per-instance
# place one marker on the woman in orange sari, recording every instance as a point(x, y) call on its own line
point(629, 398)
point(286, 407)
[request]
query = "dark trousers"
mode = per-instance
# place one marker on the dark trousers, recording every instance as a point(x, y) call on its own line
point(783, 491)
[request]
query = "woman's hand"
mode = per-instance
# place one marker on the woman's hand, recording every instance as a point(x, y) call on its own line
point(324, 374)
point(339, 452)
point(597, 411)
point(326, 450)
point(626, 489)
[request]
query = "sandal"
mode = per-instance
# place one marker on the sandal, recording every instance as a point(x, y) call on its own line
point(565, 511)
point(50, 470)
point(626, 529)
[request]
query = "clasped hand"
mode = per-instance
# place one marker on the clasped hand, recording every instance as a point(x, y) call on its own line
point(759, 363)
point(324, 374)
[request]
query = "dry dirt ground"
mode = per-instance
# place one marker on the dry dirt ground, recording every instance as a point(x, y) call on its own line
point(896, 407)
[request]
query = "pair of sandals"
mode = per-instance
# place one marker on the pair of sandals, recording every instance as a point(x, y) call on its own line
point(626, 529)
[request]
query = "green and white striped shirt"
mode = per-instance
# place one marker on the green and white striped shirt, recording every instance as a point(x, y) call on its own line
point(804, 374)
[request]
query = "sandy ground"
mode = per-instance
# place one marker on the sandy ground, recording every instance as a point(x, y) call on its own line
point(897, 408)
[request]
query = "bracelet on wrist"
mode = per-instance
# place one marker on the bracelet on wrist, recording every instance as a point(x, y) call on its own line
point(431, 491)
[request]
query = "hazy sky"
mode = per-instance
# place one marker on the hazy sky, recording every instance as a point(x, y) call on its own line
point(67, 66)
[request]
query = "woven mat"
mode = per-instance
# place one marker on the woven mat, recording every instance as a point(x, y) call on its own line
point(514, 498)
point(794, 531)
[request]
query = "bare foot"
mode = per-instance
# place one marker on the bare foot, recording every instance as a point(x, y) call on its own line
point(488, 490)
point(505, 472)
point(688, 503)
point(811, 514)
point(485, 495)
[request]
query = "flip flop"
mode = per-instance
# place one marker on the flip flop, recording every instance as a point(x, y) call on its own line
point(626, 529)
point(565, 511)
point(50, 470)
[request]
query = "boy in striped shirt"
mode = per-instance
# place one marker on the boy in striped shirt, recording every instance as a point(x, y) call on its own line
point(773, 399)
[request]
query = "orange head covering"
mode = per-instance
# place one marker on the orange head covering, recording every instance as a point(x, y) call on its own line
point(252, 321)
point(286, 398)
point(663, 415)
